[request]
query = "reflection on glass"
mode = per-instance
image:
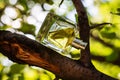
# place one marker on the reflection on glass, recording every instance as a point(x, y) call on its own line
point(59, 34)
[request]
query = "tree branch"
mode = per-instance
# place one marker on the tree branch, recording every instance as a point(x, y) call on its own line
point(99, 25)
point(84, 30)
point(21, 49)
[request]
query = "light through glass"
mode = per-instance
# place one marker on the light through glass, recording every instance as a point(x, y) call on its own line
point(59, 34)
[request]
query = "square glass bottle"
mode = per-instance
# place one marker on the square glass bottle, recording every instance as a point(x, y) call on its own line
point(59, 34)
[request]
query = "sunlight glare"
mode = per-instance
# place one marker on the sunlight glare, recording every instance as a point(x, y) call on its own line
point(37, 12)
point(6, 19)
point(38, 25)
point(7, 62)
point(1, 24)
point(88, 3)
point(13, 2)
point(30, 36)
point(20, 7)
point(71, 15)
point(31, 20)
point(47, 6)
point(118, 75)
point(61, 10)
point(16, 23)
point(11, 12)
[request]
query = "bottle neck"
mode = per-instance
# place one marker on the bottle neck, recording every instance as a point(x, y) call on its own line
point(79, 44)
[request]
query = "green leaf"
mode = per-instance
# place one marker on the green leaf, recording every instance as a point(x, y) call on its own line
point(2, 4)
point(49, 2)
point(4, 27)
point(21, 77)
point(109, 35)
point(11, 78)
point(112, 57)
point(16, 68)
point(27, 28)
point(108, 32)
point(24, 4)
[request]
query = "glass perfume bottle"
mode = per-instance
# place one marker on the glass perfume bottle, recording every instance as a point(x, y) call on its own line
point(59, 34)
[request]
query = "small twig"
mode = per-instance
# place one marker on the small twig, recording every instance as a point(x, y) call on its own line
point(61, 3)
point(99, 25)
point(42, 5)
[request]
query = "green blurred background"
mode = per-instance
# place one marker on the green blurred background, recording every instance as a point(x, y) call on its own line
point(26, 16)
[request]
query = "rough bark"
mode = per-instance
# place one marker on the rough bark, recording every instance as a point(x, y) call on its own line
point(84, 30)
point(23, 50)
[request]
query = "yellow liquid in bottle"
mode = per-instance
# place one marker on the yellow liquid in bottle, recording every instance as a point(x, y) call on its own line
point(62, 38)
